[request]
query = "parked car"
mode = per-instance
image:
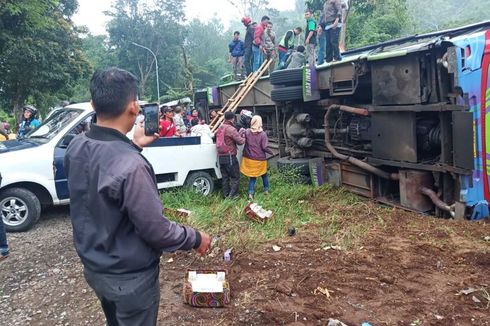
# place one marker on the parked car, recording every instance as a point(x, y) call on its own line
point(32, 174)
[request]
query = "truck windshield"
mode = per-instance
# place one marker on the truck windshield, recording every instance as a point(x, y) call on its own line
point(58, 121)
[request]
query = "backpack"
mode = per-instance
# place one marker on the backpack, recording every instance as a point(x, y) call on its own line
point(223, 149)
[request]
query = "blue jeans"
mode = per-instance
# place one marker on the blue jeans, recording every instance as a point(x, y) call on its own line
point(283, 57)
point(253, 181)
point(258, 59)
point(4, 247)
point(322, 42)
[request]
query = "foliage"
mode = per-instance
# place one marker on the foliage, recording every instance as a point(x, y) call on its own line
point(41, 53)
point(374, 21)
point(207, 63)
point(441, 14)
point(250, 8)
point(157, 25)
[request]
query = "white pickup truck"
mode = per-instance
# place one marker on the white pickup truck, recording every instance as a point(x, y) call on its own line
point(32, 174)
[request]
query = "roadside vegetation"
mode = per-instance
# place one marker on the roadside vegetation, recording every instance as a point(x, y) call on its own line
point(330, 214)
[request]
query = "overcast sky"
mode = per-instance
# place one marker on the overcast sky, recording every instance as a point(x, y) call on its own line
point(91, 12)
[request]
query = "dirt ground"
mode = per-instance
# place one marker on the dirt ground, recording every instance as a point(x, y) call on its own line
point(404, 270)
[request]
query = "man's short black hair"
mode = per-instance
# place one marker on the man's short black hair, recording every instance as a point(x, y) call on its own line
point(309, 10)
point(229, 115)
point(265, 18)
point(301, 49)
point(236, 33)
point(299, 29)
point(194, 122)
point(112, 90)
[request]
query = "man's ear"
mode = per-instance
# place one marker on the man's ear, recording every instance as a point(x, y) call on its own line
point(134, 108)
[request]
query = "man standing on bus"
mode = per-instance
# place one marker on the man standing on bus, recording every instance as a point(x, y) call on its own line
point(310, 37)
point(257, 44)
point(332, 15)
point(248, 56)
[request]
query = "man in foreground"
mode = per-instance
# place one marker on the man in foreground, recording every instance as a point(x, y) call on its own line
point(118, 227)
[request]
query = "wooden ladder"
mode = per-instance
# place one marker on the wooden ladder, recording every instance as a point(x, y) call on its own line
point(236, 99)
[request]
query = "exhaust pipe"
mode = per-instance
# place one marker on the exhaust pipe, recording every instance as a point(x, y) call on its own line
point(437, 201)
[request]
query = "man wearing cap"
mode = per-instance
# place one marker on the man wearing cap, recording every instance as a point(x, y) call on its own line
point(249, 38)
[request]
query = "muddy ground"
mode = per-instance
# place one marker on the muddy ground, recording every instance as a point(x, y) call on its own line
point(403, 270)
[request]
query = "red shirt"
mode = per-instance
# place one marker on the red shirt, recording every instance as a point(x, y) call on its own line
point(167, 128)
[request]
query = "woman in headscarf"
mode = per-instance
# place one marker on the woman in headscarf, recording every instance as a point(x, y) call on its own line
point(254, 161)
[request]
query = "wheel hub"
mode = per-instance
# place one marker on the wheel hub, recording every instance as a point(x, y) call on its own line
point(13, 211)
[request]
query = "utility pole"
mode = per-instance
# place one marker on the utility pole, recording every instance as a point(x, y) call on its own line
point(156, 65)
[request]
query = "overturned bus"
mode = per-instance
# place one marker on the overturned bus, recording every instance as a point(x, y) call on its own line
point(403, 122)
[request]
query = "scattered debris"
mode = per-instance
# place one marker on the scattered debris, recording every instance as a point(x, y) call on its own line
point(475, 299)
point(171, 260)
point(177, 213)
point(276, 248)
point(416, 322)
point(228, 255)
point(439, 317)
point(257, 213)
point(292, 231)
point(335, 322)
point(366, 324)
point(326, 292)
point(467, 291)
point(332, 248)
point(487, 238)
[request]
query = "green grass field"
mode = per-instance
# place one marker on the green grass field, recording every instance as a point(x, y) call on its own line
point(294, 205)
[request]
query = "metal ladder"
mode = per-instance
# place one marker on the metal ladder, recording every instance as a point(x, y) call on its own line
point(236, 99)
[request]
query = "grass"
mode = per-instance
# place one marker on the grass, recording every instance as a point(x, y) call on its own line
point(339, 216)
point(225, 219)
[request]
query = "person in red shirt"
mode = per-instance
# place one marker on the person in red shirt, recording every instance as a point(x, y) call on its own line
point(167, 124)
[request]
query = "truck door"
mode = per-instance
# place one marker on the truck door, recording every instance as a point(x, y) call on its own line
point(60, 179)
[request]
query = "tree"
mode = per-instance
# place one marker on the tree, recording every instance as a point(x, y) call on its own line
point(250, 8)
point(374, 21)
point(157, 25)
point(207, 63)
point(40, 51)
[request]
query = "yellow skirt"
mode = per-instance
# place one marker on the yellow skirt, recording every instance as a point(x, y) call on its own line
point(253, 168)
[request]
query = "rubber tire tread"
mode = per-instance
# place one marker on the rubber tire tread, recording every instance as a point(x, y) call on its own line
point(291, 77)
point(33, 205)
point(290, 93)
point(299, 165)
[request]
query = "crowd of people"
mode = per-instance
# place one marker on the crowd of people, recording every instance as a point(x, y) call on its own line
point(318, 44)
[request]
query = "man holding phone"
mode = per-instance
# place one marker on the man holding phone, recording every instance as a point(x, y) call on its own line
point(118, 225)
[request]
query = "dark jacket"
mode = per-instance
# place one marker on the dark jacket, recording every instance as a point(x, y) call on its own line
point(115, 207)
point(232, 138)
point(237, 48)
point(249, 36)
point(256, 145)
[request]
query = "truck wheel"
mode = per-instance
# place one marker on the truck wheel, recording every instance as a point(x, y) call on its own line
point(287, 77)
point(200, 182)
point(300, 166)
point(290, 93)
point(20, 209)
